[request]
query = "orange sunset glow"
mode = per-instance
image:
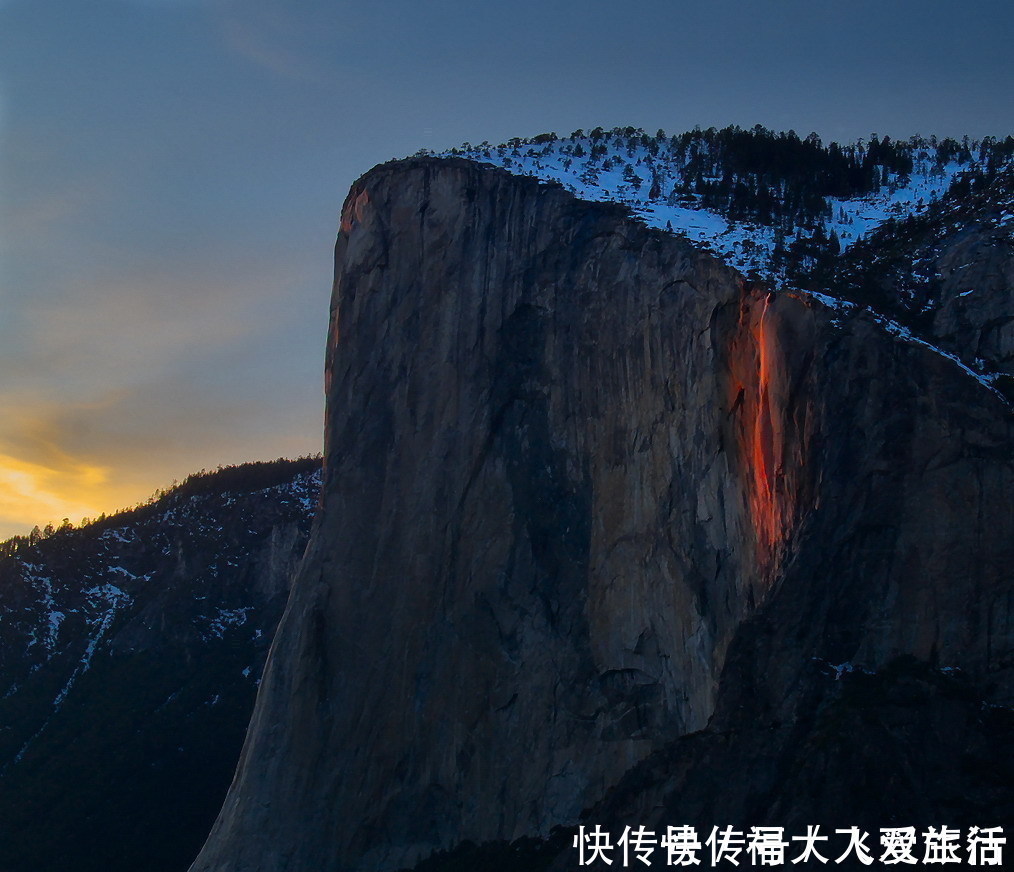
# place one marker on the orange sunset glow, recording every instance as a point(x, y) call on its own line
point(29, 490)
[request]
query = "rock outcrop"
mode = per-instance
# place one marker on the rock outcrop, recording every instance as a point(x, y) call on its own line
point(577, 471)
point(976, 304)
point(948, 273)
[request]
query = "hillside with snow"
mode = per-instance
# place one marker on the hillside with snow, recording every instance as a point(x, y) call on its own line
point(131, 653)
point(877, 228)
point(771, 205)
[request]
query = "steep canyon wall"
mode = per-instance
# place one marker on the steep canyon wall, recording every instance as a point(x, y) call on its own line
point(571, 464)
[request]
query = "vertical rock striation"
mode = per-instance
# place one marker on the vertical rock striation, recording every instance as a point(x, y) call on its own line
point(571, 465)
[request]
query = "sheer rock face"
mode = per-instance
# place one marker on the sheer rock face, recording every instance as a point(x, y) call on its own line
point(570, 465)
point(976, 314)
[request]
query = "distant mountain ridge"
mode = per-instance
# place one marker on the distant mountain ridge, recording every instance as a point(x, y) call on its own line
point(130, 654)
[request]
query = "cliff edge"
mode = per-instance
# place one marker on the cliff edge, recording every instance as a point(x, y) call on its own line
point(577, 471)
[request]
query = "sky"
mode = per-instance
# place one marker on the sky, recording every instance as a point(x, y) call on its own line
point(171, 173)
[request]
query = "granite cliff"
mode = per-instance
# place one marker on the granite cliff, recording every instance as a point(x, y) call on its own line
point(586, 492)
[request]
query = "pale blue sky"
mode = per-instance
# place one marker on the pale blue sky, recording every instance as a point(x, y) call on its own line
point(171, 173)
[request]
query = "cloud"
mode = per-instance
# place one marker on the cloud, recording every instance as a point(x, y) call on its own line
point(113, 390)
point(273, 37)
point(44, 474)
point(77, 459)
point(49, 493)
point(35, 218)
point(170, 3)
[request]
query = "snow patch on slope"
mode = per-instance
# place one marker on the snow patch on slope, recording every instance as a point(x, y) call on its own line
point(622, 169)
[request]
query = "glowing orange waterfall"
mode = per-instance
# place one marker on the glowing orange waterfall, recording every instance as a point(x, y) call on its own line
point(758, 395)
point(766, 508)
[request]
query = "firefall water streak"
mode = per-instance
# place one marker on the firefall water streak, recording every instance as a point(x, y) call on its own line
point(765, 459)
point(756, 401)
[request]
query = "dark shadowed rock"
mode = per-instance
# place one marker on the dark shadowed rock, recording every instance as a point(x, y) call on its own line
point(976, 303)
